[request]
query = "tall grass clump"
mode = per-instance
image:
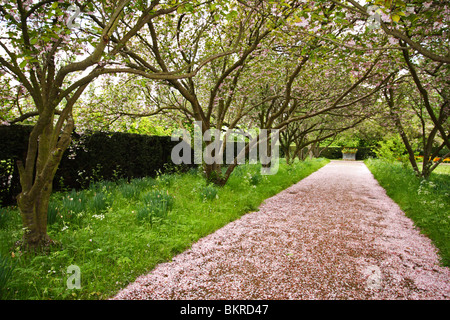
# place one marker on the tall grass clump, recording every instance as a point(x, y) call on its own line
point(4, 217)
point(426, 202)
point(73, 206)
point(6, 269)
point(208, 192)
point(156, 205)
point(129, 191)
point(143, 183)
point(52, 214)
point(97, 203)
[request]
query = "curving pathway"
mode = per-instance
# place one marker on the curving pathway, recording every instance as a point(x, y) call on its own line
point(334, 235)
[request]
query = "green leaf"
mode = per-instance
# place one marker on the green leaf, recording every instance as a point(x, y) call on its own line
point(189, 7)
point(232, 15)
point(395, 18)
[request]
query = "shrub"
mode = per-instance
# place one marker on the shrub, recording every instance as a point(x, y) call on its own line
point(392, 150)
point(349, 150)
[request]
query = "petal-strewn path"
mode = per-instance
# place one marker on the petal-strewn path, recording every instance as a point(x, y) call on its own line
point(334, 235)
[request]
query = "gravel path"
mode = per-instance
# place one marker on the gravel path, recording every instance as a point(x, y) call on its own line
point(334, 235)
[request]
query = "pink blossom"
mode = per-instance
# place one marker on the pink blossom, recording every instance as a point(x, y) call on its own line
point(393, 41)
point(302, 23)
point(437, 25)
point(410, 10)
point(385, 17)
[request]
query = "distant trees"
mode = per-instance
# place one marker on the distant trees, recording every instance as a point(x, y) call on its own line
point(415, 36)
point(264, 70)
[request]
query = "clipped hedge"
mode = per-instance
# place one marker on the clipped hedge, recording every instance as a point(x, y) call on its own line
point(91, 157)
point(365, 153)
point(109, 156)
point(336, 153)
point(13, 147)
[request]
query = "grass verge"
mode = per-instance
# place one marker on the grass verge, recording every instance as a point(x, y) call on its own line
point(115, 231)
point(426, 202)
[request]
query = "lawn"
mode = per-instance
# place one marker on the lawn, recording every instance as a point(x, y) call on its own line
point(443, 168)
point(426, 202)
point(115, 231)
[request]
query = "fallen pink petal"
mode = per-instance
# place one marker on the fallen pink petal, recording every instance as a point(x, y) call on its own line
point(334, 235)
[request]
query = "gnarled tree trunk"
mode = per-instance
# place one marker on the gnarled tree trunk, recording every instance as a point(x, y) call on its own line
point(45, 149)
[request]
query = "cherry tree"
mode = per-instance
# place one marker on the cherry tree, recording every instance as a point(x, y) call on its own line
point(226, 35)
point(51, 58)
point(304, 138)
point(110, 104)
point(407, 112)
point(421, 25)
point(256, 54)
point(419, 30)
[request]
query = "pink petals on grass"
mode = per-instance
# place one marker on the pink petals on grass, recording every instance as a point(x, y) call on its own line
point(334, 235)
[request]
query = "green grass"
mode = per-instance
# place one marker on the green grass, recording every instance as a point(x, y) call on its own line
point(443, 168)
point(100, 230)
point(427, 203)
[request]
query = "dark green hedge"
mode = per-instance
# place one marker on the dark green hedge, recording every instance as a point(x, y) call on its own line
point(13, 147)
point(91, 157)
point(363, 153)
point(336, 153)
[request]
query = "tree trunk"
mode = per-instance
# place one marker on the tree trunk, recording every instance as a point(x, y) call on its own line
point(266, 157)
point(214, 174)
point(34, 218)
point(287, 155)
point(46, 146)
